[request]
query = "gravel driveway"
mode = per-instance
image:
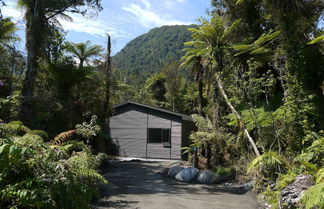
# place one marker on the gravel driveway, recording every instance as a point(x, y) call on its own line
point(140, 185)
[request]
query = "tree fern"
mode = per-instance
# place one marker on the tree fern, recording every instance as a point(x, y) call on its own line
point(268, 165)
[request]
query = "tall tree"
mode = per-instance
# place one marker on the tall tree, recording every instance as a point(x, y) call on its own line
point(193, 59)
point(215, 36)
point(108, 72)
point(40, 15)
point(83, 51)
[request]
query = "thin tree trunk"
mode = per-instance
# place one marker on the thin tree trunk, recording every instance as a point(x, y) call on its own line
point(229, 104)
point(107, 107)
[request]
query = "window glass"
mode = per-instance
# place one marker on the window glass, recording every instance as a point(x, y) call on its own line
point(159, 135)
point(166, 135)
point(155, 135)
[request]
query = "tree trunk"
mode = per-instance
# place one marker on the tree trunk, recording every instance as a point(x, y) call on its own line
point(81, 63)
point(200, 95)
point(33, 45)
point(107, 107)
point(229, 104)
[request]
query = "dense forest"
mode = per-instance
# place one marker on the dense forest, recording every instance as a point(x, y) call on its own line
point(148, 53)
point(251, 75)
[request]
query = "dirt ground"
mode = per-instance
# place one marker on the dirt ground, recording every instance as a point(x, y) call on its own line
point(141, 185)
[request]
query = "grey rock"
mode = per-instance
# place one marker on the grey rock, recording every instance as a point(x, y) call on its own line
point(174, 170)
point(208, 177)
point(248, 186)
point(292, 193)
point(187, 175)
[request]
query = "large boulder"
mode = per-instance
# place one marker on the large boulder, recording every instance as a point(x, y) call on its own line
point(187, 175)
point(174, 170)
point(292, 193)
point(208, 177)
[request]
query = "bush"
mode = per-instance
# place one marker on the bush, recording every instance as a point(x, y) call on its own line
point(268, 166)
point(34, 174)
point(224, 171)
point(40, 133)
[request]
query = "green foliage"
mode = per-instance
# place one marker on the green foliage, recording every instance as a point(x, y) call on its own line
point(273, 195)
point(29, 139)
point(205, 131)
point(224, 171)
point(320, 176)
point(268, 165)
point(7, 30)
point(312, 157)
point(313, 197)
point(74, 146)
point(88, 130)
point(40, 133)
point(148, 53)
point(260, 46)
point(316, 40)
point(34, 174)
point(83, 51)
point(15, 128)
point(9, 106)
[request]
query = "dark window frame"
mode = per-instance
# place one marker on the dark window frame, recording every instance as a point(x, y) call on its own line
point(162, 134)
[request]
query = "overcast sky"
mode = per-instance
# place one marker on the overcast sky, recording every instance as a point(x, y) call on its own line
point(123, 19)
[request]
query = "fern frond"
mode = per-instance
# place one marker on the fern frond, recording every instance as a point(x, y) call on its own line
point(268, 165)
point(319, 39)
point(313, 197)
point(90, 175)
point(320, 176)
point(62, 137)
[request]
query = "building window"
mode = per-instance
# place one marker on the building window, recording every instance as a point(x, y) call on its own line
point(159, 135)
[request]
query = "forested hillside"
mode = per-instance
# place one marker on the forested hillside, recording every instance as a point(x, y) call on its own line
point(148, 53)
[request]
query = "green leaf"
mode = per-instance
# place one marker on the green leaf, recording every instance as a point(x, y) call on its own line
point(317, 40)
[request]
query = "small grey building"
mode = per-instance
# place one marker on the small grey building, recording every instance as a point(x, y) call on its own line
point(144, 131)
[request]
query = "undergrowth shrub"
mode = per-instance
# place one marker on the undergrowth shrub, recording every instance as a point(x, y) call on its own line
point(268, 165)
point(34, 174)
point(40, 133)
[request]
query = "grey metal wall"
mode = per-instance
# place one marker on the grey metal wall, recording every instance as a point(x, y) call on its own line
point(176, 140)
point(129, 132)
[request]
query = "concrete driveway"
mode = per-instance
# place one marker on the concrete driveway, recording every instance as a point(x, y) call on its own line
point(140, 185)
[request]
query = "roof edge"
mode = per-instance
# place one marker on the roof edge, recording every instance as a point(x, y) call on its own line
point(183, 116)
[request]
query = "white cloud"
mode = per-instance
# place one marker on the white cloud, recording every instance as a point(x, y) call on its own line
point(11, 10)
point(181, 0)
point(146, 3)
point(97, 28)
point(93, 27)
point(148, 18)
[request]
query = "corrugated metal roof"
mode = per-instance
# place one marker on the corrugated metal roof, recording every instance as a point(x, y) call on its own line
point(183, 116)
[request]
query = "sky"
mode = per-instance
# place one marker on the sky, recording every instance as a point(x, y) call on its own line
point(124, 20)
